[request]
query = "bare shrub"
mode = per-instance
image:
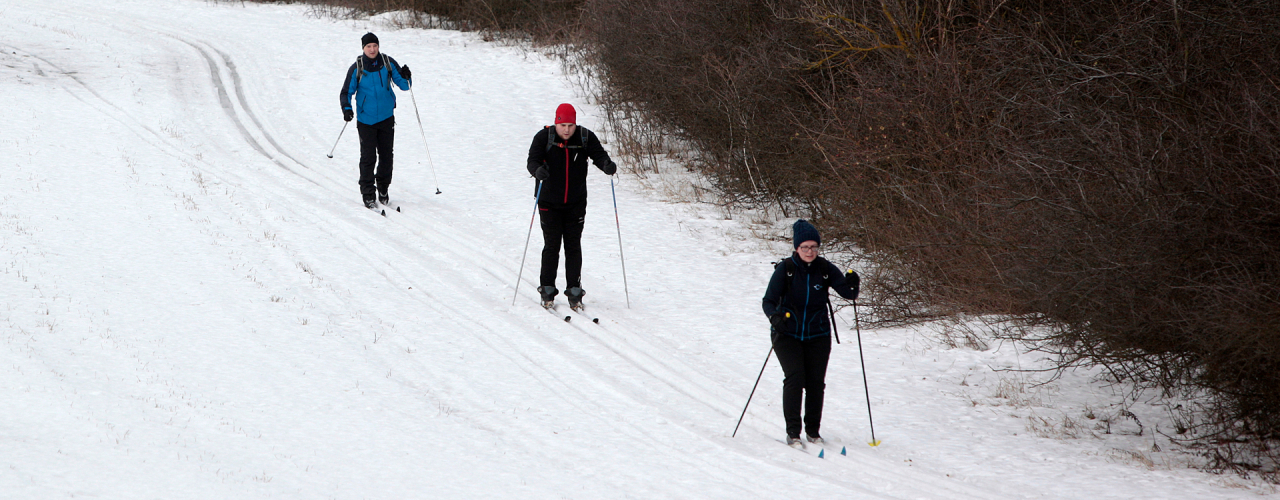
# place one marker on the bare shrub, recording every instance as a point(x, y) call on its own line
point(1105, 170)
point(711, 74)
point(1063, 427)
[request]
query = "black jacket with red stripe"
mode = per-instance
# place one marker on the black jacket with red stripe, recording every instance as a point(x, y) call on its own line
point(567, 163)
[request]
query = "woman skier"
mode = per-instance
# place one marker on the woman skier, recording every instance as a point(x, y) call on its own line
point(796, 304)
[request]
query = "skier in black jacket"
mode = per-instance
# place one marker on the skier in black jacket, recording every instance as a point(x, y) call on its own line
point(796, 305)
point(558, 160)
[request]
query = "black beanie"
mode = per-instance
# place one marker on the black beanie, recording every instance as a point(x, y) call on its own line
point(803, 231)
point(368, 38)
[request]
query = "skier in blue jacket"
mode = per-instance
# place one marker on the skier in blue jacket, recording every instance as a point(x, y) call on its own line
point(369, 80)
point(796, 305)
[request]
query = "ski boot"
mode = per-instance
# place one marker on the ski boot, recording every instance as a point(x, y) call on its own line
point(815, 439)
point(795, 442)
point(574, 295)
point(548, 293)
point(383, 198)
point(370, 203)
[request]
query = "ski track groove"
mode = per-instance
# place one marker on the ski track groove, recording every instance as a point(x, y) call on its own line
point(726, 408)
point(531, 365)
point(631, 359)
point(558, 348)
point(229, 108)
point(671, 375)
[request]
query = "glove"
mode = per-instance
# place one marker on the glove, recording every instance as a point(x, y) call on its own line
point(348, 114)
point(541, 173)
point(404, 71)
point(779, 319)
point(611, 168)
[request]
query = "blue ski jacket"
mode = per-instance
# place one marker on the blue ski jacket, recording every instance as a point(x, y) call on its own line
point(806, 297)
point(369, 80)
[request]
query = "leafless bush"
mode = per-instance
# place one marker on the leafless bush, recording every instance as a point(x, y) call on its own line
point(711, 74)
point(1104, 169)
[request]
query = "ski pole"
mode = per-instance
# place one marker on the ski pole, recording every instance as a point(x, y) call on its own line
point(753, 390)
point(335, 142)
point(424, 141)
point(865, 387)
point(624, 259)
point(536, 196)
point(833, 321)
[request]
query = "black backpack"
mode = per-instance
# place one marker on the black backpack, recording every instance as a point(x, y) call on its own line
point(551, 142)
point(790, 266)
point(386, 62)
point(551, 138)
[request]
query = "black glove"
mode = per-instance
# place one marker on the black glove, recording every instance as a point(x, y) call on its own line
point(541, 173)
point(404, 71)
point(611, 168)
point(777, 320)
point(348, 114)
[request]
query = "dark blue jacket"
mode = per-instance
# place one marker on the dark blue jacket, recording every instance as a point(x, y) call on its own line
point(375, 101)
point(806, 298)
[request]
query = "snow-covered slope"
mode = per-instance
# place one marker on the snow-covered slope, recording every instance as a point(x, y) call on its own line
point(193, 304)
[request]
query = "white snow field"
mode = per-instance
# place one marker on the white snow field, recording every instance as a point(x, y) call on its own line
point(194, 304)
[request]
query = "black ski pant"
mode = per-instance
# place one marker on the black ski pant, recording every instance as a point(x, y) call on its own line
point(804, 369)
point(376, 142)
point(562, 223)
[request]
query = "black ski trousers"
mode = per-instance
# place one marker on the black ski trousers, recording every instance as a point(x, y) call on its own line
point(376, 142)
point(804, 369)
point(562, 223)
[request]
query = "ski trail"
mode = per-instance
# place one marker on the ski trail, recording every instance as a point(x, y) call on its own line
point(615, 387)
point(227, 106)
point(670, 376)
point(624, 392)
point(240, 95)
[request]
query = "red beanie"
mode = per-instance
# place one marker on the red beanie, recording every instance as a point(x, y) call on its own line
point(566, 114)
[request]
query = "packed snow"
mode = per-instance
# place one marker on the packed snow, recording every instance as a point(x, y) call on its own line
point(196, 305)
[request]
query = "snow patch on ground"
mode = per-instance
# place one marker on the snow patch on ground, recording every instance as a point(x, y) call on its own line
point(193, 303)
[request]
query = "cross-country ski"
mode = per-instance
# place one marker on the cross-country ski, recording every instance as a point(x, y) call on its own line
point(551, 308)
